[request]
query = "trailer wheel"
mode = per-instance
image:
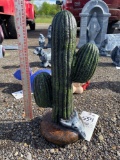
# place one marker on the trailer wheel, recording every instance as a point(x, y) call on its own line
point(11, 27)
point(32, 25)
point(6, 35)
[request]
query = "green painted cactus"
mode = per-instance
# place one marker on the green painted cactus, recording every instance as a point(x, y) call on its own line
point(43, 90)
point(67, 66)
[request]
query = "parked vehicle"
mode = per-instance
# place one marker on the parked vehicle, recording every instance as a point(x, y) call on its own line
point(7, 17)
point(75, 7)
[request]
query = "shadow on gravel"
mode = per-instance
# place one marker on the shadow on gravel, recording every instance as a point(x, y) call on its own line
point(32, 47)
point(36, 33)
point(35, 64)
point(11, 67)
point(9, 88)
point(32, 64)
point(24, 132)
point(104, 64)
point(114, 86)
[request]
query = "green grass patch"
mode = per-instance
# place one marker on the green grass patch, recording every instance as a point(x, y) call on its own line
point(44, 19)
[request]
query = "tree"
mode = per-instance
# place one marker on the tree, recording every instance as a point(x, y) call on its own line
point(35, 7)
point(48, 9)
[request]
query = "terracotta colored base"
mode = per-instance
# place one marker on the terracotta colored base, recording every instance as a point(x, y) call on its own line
point(55, 133)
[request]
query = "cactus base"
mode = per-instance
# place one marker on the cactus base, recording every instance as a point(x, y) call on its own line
point(55, 133)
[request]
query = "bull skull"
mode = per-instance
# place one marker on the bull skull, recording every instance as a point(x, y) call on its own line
point(75, 123)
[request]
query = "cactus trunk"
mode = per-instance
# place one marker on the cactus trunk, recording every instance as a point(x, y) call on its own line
point(63, 48)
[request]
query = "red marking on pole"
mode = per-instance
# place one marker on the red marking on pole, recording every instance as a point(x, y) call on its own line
point(20, 19)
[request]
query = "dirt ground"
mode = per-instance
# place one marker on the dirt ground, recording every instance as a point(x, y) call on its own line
point(20, 139)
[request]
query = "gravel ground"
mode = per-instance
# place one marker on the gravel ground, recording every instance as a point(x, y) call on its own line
point(20, 139)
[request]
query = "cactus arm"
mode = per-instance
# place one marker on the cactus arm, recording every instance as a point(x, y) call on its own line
point(43, 90)
point(85, 62)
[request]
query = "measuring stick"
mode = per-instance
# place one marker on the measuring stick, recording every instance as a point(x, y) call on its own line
point(20, 19)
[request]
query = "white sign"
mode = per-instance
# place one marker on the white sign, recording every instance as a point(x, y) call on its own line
point(18, 94)
point(90, 120)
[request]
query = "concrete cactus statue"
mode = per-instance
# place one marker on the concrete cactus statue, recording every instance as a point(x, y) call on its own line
point(67, 66)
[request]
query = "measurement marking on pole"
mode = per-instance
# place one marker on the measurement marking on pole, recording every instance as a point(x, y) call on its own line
point(20, 20)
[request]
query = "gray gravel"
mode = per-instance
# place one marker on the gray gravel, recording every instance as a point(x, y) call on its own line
point(21, 139)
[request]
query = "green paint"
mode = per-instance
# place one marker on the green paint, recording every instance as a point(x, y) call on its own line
point(67, 67)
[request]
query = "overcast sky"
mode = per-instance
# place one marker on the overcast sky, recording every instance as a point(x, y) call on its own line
point(39, 2)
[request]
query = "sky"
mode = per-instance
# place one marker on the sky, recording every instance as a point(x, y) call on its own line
point(39, 2)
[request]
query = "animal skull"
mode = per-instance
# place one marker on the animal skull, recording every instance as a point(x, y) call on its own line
point(75, 123)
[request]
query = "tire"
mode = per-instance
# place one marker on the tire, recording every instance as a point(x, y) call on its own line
point(32, 25)
point(3, 52)
point(11, 27)
point(6, 35)
point(1, 35)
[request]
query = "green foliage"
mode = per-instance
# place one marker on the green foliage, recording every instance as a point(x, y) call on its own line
point(48, 9)
point(44, 19)
point(36, 9)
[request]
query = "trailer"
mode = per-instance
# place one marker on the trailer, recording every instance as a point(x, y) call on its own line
point(7, 17)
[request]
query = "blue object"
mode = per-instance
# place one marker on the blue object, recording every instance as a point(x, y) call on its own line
point(17, 74)
point(36, 73)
